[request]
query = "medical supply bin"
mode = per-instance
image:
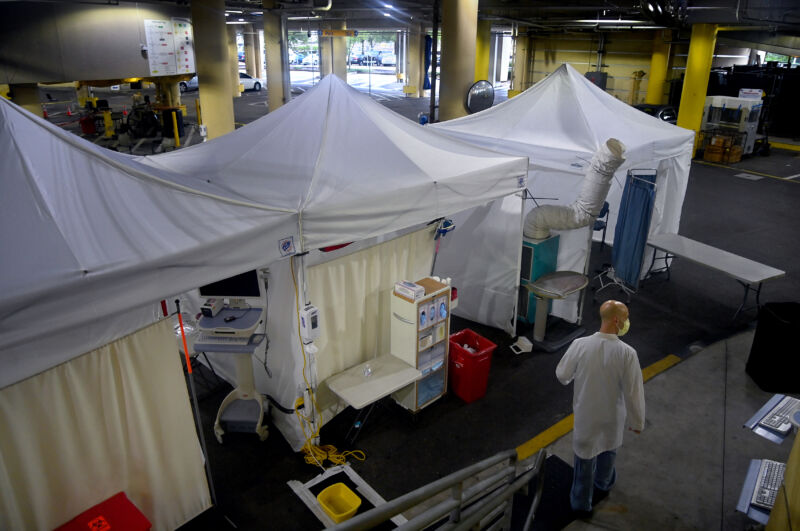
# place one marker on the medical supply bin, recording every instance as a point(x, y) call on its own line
point(469, 367)
point(339, 502)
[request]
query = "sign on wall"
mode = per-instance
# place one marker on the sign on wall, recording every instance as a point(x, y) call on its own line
point(170, 46)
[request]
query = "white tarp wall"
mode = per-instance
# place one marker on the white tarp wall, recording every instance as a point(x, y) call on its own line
point(559, 123)
point(82, 431)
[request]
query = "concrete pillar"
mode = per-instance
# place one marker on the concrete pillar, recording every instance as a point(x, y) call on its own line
point(333, 52)
point(259, 52)
point(233, 61)
point(519, 70)
point(659, 64)
point(274, 54)
point(167, 93)
point(695, 82)
point(459, 30)
point(483, 46)
point(26, 95)
point(415, 61)
point(213, 66)
point(250, 56)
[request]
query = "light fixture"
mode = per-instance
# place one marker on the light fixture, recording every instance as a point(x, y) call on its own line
point(387, 15)
point(231, 11)
point(388, 6)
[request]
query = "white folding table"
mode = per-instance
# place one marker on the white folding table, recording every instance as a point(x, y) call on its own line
point(747, 272)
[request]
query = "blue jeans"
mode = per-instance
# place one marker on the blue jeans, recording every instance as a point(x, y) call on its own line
point(598, 471)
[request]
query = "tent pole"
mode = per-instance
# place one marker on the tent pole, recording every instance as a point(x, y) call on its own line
point(198, 424)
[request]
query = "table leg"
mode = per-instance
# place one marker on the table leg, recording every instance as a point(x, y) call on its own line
point(358, 424)
point(744, 299)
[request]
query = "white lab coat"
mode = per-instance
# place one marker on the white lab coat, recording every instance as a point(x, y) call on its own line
point(607, 379)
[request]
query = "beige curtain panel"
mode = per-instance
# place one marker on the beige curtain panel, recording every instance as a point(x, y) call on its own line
point(353, 294)
point(115, 419)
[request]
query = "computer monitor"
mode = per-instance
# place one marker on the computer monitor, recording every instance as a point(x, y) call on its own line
point(236, 289)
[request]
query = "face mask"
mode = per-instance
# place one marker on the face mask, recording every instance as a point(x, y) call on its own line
point(625, 328)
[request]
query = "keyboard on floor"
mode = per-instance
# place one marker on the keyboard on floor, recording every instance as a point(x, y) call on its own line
point(770, 478)
point(778, 418)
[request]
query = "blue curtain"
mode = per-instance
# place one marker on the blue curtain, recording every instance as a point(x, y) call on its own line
point(633, 224)
point(428, 51)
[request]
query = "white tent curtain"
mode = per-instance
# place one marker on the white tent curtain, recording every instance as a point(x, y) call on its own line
point(352, 294)
point(115, 419)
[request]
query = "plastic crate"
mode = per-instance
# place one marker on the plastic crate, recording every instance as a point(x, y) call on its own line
point(469, 367)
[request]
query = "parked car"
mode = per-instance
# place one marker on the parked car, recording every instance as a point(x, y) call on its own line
point(354, 58)
point(295, 58)
point(311, 59)
point(185, 86)
point(370, 57)
point(249, 82)
point(667, 113)
point(387, 59)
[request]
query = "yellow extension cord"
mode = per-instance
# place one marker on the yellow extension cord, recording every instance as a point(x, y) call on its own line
point(315, 455)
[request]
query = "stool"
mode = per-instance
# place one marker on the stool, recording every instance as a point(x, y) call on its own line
point(554, 286)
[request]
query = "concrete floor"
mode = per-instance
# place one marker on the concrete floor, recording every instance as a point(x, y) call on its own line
point(686, 469)
point(683, 472)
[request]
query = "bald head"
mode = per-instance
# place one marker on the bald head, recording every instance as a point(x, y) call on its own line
point(613, 315)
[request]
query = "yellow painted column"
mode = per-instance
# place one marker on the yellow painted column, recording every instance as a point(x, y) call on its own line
point(459, 31)
point(659, 66)
point(26, 95)
point(483, 45)
point(167, 93)
point(695, 82)
point(250, 57)
point(519, 68)
point(213, 66)
point(333, 52)
point(415, 62)
point(272, 44)
point(82, 93)
point(233, 61)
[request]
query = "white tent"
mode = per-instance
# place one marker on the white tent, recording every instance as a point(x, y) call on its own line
point(92, 239)
point(353, 170)
point(558, 123)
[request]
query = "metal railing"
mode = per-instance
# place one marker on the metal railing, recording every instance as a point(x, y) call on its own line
point(487, 504)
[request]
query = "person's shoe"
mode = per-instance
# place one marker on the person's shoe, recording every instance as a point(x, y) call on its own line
point(581, 515)
point(599, 495)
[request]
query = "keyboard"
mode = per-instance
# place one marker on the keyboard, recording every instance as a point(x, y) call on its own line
point(778, 418)
point(222, 340)
point(770, 478)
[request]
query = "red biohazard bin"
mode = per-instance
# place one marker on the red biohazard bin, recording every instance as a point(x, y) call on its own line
point(469, 371)
point(114, 514)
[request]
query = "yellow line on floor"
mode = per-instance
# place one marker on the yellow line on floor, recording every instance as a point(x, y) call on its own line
point(743, 170)
point(564, 426)
point(781, 145)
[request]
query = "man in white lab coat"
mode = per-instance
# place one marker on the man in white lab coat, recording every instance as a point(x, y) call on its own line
point(608, 381)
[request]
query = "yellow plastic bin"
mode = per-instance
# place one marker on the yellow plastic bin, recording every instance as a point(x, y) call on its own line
point(339, 502)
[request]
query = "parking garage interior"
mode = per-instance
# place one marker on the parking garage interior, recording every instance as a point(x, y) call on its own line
point(94, 69)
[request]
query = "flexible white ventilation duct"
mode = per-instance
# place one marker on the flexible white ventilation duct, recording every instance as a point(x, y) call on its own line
point(585, 209)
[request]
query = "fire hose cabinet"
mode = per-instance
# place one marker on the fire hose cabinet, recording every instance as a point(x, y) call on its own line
point(470, 361)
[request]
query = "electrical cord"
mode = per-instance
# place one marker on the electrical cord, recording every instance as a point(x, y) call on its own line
point(314, 455)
